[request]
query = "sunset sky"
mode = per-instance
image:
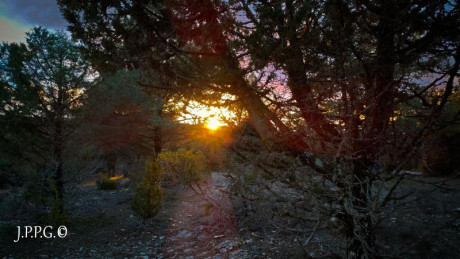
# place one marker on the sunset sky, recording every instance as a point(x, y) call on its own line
point(18, 16)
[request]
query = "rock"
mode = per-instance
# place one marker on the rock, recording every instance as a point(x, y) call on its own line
point(236, 254)
point(248, 241)
point(184, 234)
point(227, 245)
point(188, 251)
point(319, 163)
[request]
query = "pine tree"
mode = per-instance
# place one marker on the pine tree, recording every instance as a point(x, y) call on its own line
point(43, 84)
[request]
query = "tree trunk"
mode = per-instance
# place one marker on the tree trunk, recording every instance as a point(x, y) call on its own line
point(58, 150)
point(359, 225)
point(302, 92)
point(267, 124)
point(381, 86)
point(111, 160)
point(158, 135)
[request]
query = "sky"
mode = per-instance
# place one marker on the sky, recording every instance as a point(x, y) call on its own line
point(19, 16)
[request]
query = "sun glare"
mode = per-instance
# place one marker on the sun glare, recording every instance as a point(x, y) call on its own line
point(210, 117)
point(213, 123)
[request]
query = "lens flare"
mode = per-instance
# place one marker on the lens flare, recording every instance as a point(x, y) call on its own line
point(213, 123)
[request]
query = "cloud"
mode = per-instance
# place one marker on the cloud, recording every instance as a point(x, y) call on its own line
point(34, 12)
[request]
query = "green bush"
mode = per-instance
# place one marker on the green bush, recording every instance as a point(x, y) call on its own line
point(149, 195)
point(184, 165)
point(106, 184)
point(54, 216)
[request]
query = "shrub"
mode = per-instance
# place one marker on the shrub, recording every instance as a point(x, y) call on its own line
point(440, 155)
point(149, 195)
point(54, 216)
point(106, 184)
point(184, 166)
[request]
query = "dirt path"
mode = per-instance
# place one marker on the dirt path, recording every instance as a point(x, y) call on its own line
point(202, 224)
point(103, 225)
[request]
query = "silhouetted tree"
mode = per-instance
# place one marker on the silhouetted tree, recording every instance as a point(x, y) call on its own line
point(353, 73)
point(121, 118)
point(43, 84)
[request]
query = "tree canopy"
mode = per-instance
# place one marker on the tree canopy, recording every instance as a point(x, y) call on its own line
point(351, 88)
point(43, 86)
point(343, 66)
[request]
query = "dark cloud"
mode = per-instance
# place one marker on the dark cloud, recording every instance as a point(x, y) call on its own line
point(35, 12)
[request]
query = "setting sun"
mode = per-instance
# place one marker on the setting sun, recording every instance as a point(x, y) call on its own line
point(210, 117)
point(213, 123)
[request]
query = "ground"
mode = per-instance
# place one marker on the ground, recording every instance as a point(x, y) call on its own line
point(190, 225)
point(208, 223)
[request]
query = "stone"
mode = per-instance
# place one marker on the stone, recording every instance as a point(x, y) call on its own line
point(184, 234)
point(227, 245)
point(188, 251)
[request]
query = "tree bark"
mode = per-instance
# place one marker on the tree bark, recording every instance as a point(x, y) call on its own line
point(359, 225)
point(158, 135)
point(303, 94)
point(58, 156)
